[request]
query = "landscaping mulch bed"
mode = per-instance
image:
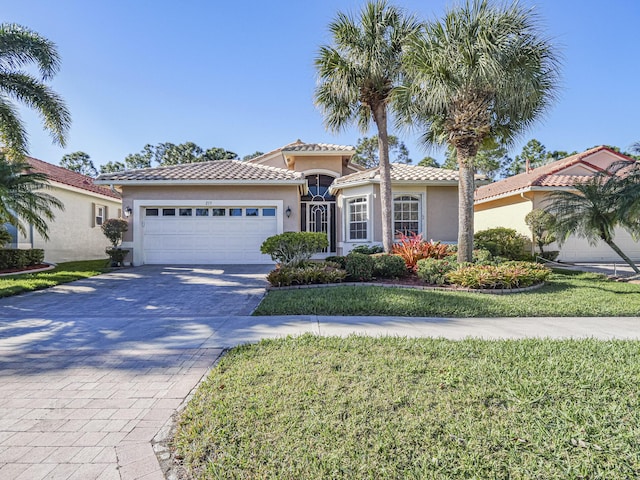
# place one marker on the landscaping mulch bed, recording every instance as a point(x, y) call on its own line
point(39, 266)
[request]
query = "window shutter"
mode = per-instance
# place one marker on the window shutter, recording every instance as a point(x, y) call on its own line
point(93, 215)
point(106, 213)
point(119, 213)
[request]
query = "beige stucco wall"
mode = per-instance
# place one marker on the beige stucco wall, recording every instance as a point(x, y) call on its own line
point(71, 234)
point(442, 214)
point(288, 194)
point(506, 212)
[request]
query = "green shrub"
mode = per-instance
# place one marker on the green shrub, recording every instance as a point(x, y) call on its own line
point(368, 250)
point(359, 267)
point(434, 271)
point(501, 241)
point(388, 266)
point(505, 275)
point(315, 273)
point(20, 258)
point(293, 248)
point(117, 256)
point(550, 254)
point(5, 236)
point(340, 260)
point(482, 256)
point(114, 229)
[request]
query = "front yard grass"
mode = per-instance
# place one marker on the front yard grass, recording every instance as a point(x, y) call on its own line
point(63, 273)
point(567, 294)
point(396, 408)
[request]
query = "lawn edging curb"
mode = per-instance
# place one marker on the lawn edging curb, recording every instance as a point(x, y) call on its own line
point(496, 291)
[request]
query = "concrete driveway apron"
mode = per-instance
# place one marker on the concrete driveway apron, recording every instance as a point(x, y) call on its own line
point(91, 371)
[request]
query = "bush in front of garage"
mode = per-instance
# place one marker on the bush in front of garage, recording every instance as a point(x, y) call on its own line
point(292, 249)
point(11, 258)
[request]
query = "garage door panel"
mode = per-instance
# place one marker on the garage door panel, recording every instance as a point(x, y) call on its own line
point(206, 239)
point(577, 249)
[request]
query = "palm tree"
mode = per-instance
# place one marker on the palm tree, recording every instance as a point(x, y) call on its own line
point(21, 198)
point(358, 77)
point(592, 212)
point(20, 48)
point(482, 73)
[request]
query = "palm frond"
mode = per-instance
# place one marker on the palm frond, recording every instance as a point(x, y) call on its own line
point(12, 132)
point(21, 47)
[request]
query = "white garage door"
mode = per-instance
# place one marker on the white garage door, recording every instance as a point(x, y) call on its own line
point(578, 249)
point(206, 235)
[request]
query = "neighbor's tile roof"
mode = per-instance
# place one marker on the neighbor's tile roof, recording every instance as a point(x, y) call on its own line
point(401, 172)
point(223, 170)
point(67, 177)
point(544, 176)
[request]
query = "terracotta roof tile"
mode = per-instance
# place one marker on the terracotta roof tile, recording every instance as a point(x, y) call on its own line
point(401, 172)
point(67, 177)
point(300, 146)
point(544, 176)
point(222, 170)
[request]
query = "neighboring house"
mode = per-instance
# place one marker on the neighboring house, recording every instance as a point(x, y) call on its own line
point(221, 211)
point(75, 233)
point(505, 203)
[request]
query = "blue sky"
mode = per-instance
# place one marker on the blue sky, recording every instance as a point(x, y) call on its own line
point(240, 75)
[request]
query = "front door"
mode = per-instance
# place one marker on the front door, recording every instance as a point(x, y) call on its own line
point(319, 209)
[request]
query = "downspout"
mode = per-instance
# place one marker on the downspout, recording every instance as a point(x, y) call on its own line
point(533, 245)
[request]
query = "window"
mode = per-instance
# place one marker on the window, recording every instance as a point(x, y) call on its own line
point(235, 212)
point(406, 214)
point(252, 212)
point(151, 212)
point(168, 212)
point(268, 212)
point(100, 214)
point(185, 212)
point(357, 218)
point(202, 212)
point(218, 212)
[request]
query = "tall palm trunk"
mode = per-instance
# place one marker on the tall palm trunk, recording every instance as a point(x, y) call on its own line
point(380, 117)
point(622, 255)
point(466, 188)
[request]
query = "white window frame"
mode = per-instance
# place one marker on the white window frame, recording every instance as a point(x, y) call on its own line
point(357, 200)
point(419, 199)
point(100, 215)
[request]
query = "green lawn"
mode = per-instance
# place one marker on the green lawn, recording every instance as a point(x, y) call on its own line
point(566, 294)
point(63, 273)
point(396, 408)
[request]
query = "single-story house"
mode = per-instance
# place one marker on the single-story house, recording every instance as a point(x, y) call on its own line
point(75, 233)
point(505, 203)
point(221, 211)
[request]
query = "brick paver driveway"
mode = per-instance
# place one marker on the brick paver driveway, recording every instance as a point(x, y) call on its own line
point(91, 371)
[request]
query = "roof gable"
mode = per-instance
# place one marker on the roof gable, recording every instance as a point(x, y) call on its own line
point(561, 173)
point(301, 148)
point(68, 177)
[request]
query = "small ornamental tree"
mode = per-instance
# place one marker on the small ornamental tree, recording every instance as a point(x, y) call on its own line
point(114, 229)
point(293, 248)
point(541, 225)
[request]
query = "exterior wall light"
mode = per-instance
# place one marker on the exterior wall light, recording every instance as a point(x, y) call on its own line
point(127, 212)
point(288, 212)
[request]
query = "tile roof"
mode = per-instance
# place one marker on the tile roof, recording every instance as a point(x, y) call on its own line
point(212, 171)
point(300, 146)
point(544, 176)
point(401, 172)
point(67, 177)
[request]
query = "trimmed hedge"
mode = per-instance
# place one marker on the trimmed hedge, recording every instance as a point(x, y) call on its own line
point(359, 267)
point(434, 271)
point(20, 258)
point(294, 248)
point(502, 242)
point(311, 273)
point(388, 266)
